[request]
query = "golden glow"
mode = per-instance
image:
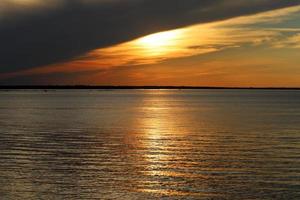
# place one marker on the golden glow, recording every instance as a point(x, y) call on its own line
point(165, 151)
point(161, 141)
point(159, 39)
point(231, 69)
point(193, 40)
point(159, 43)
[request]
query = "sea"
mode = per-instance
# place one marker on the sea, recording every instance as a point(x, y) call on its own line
point(150, 144)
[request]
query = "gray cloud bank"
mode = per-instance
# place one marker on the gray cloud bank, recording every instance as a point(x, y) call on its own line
point(37, 34)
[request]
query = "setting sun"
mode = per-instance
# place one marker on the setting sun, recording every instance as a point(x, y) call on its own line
point(159, 42)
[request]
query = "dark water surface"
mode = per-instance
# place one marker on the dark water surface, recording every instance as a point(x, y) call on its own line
point(150, 144)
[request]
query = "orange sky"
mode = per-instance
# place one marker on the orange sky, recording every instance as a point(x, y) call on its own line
point(257, 50)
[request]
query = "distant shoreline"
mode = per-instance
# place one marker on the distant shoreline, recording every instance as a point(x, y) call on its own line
point(83, 87)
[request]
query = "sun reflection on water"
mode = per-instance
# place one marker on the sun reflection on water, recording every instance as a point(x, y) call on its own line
point(161, 142)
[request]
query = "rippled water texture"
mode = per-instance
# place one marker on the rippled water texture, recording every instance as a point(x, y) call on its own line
point(150, 144)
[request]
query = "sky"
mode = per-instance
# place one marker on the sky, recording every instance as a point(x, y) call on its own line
point(230, 43)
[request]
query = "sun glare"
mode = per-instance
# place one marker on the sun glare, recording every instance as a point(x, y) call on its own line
point(159, 39)
point(159, 43)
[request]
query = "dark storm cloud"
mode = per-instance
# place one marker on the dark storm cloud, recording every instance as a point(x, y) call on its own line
point(44, 35)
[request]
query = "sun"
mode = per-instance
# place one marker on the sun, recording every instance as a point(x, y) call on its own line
point(159, 43)
point(159, 39)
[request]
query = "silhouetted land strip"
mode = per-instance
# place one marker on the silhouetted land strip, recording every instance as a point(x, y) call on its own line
point(76, 87)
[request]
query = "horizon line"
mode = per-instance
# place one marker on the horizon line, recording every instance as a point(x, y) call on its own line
point(45, 87)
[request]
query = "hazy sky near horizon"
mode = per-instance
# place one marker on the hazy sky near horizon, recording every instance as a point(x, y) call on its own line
point(148, 42)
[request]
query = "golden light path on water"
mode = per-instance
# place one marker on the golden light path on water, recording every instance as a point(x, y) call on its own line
point(165, 146)
point(157, 144)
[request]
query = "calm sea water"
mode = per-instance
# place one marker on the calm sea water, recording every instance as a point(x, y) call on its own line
point(150, 144)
